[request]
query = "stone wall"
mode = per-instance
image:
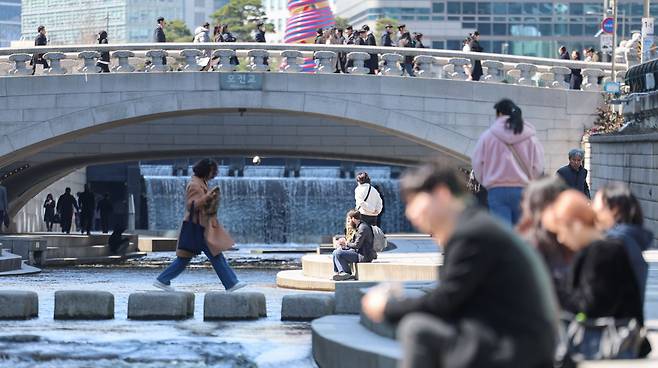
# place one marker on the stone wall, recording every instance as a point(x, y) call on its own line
point(30, 217)
point(631, 159)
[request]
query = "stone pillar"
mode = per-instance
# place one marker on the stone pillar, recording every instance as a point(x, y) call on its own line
point(358, 62)
point(224, 64)
point(258, 60)
point(591, 79)
point(292, 61)
point(190, 56)
point(527, 71)
point(157, 57)
point(90, 59)
point(392, 64)
point(559, 75)
point(458, 68)
point(495, 71)
point(324, 61)
point(54, 59)
point(424, 63)
point(547, 79)
point(123, 60)
point(20, 66)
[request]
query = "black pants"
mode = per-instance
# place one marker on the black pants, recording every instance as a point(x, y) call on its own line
point(86, 221)
point(38, 59)
point(105, 223)
point(66, 220)
point(370, 220)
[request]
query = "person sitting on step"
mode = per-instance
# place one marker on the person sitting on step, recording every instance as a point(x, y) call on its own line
point(358, 249)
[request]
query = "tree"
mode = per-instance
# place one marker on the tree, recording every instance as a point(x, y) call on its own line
point(342, 23)
point(242, 17)
point(381, 23)
point(177, 31)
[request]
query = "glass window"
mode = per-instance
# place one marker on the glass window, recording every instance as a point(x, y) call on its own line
point(468, 8)
point(439, 17)
point(545, 29)
point(500, 19)
point(422, 17)
point(500, 29)
point(637, 9)
point(454, 7)
point(484, 8)
point(10, 13)
point(407, 17)
point(454, 18)
point(438, 7)
point(484, 19)
point(515, 8)
point(576, 29)
point(438, 44)
point(199, 3)
point(592, 8)
point(576, 8)
point(545, 8)
point(484, 28)
point(561, 8)
point(468, 18)
point(545, 19)
point(514, 19)
point(500, 8)
point(591, 29)
point(469, 25)
point(454, 45)
point(560, 29)
point(530, 8)
point(497, 47)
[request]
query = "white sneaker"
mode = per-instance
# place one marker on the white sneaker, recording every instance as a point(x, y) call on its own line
point(237, 286)
point(163, 287)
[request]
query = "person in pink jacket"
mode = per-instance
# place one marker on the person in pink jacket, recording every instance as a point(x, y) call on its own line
point(507, 157)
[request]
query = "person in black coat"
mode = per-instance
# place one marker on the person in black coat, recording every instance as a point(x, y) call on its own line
point(260, 37)
point(227, 36)
point(66, 203)
point(104, 61)
point(106, 210)
point(40, 40)
point(476, 73)
point(576, 75)
point(387, 40)
point(49, 212)
point(87, 204)
point(159, 35)
point(408, 65)
point(494, 305)
point(373, 62)
point(359, 249)
point(564, 55)
point(574, 174)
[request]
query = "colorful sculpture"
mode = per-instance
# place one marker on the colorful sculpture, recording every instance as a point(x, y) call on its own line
point(306, 16)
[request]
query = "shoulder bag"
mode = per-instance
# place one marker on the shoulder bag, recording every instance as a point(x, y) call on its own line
point(367, 195)
point(191, 238)
point(519, 161)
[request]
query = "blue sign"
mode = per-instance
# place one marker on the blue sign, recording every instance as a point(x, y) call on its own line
point(611, 87)
point(608, 25)
point(241, 81)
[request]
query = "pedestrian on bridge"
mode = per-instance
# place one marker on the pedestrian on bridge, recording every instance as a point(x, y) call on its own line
point(159, 35)
point(104, 61)
point(66, 203)
point(507, 157)
point(40, 40)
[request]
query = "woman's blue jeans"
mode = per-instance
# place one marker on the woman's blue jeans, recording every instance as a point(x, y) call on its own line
point(505, 203)
point(225, 273)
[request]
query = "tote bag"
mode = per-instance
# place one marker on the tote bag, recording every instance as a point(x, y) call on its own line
point(191, 234)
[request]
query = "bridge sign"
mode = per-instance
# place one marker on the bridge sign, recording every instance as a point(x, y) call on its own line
point(608, 25)
point(241, 81)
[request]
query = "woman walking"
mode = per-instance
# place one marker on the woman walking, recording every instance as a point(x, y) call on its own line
point(49, 213)
point(104, 61)
point(506, 158)
point(201, 204)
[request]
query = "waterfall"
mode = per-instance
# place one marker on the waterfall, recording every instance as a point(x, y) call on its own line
point(274, 209)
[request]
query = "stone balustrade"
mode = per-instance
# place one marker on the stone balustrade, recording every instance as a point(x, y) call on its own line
point(429, 63)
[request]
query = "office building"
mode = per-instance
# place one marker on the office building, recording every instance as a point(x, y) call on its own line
point(10, 21)
point(531, 27)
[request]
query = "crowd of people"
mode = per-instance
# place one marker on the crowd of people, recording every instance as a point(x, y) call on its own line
point(81, 211)
point(551, 291)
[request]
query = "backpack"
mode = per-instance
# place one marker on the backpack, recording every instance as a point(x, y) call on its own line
point(379, 241)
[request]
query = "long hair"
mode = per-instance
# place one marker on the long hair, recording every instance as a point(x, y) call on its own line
point(621, 201)
point(509, 108)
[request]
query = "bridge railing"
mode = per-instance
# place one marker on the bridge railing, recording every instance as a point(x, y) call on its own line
point(186, 57)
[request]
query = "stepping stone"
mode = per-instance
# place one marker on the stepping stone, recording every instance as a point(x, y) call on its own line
point(306, 307)
point(18, 304)
point(232, 306)
point(161, 305)
point(348, 296)
point(84, 304)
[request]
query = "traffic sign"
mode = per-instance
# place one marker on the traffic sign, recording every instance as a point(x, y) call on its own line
point(608, 25)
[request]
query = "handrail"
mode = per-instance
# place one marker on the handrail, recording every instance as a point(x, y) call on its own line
point(313, 47)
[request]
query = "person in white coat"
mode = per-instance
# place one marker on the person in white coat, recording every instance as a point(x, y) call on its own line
point(367, 199)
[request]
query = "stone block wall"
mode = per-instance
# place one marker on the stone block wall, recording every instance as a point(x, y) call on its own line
point(631, 159)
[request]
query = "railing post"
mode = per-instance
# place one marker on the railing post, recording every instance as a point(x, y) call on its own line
point(358, 62)
point(527, 72)
point(495, 71)
point(54, 59)
point(157, 61)
point(224, 64)
point(191, 55)
point(123, 60)
point(559, 75)
point(258, 60)
point(20, 66)
point(424, 64)
point(546, 80)
point(392, 64)
point(591, 79)
point(324, 61)
point(292, 61)
point(90, 58)
point(458, 68)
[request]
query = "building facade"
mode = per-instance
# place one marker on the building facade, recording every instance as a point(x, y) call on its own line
point(196, 12)
point(79, 21)
point(277, 14)
point(10, 21)
point(530, 27)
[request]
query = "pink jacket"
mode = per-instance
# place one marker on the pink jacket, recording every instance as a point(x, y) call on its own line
point(494, 164)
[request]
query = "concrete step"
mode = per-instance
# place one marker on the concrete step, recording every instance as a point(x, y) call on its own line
point(388, 267)
point(78, 252)
point(75, 261)
point(295, 279)
point(9, 261)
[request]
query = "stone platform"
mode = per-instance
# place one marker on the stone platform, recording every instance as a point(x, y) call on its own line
point(12, 265)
